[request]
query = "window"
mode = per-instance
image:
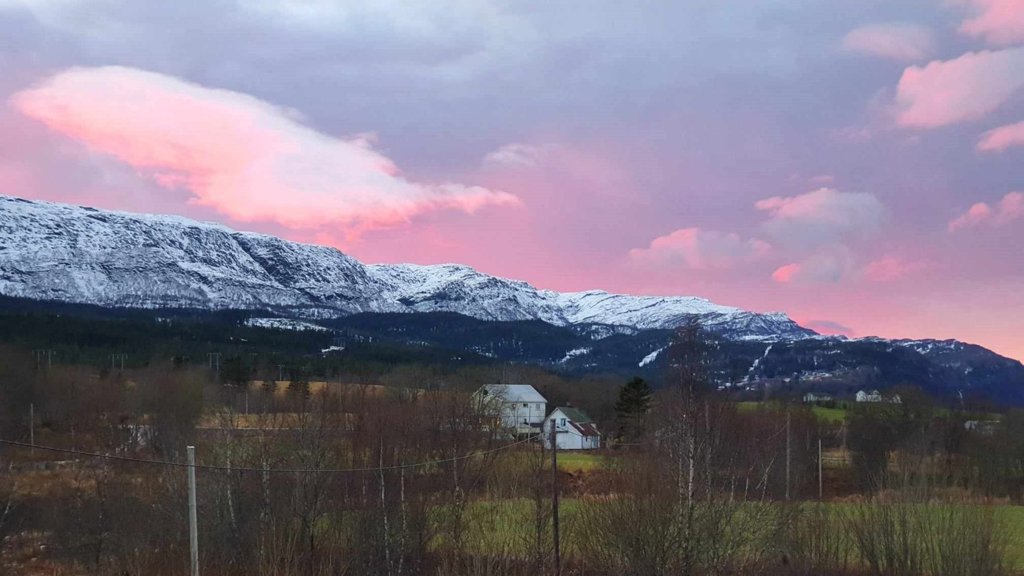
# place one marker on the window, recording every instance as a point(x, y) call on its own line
point(525, 404)
point(563, 422)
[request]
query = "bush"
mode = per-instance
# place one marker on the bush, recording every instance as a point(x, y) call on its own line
point(813, 540)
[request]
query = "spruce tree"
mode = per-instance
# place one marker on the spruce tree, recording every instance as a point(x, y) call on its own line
point(631, 409)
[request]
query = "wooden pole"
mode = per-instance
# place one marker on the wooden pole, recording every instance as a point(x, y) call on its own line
point(554, 499)
point(193, 516)
point(32, 426)
point(788, 454)
point(819, 470)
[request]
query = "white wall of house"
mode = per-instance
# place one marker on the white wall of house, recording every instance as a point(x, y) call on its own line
point(518, 407)
point(520, 414)
point(567, 436)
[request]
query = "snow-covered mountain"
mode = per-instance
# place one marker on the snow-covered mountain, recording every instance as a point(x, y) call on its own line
point(83, 255)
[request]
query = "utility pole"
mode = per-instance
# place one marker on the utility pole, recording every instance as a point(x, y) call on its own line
point(40, 354)
point(788, 454)
point(554, 499)
point(819, 471)
point(214, 362)
point(193, 519)
point(280, 372)
point(32, 426)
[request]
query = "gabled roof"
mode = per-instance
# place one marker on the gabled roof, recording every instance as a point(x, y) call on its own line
point(575, 414)
point(578, 420)
point(588, 429)
point(512, 392)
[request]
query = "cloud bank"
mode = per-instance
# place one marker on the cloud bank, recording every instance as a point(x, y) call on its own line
point(820, 217)
point(245, 158)
point(1010, 208)
point(999, 22)
point(1001, 138)
point(894, 41)
point(700, 249)
point(965, 88)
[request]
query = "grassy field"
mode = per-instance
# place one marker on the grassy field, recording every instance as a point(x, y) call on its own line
point(827, 415)
point(1013, 518)
point(581, 461)
point(507, 526)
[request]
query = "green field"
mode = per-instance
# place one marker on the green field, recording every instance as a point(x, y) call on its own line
point(829, 415)
point(581, 461)
point(1013, 518)
point(826, 415)
point(508, 526)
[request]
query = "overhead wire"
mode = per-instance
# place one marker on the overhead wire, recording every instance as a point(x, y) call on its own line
point(266, 470)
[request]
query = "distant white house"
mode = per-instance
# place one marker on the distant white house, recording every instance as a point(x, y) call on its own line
point(982, 427)
point(574, 430)
point(815, 397)
point(876, 396)
point(518, 407)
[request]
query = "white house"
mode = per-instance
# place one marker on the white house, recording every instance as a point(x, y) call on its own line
point(574, 430)
point(815, 397)
point(517, 406)
point(876, 396)
point(982, 427)
point(873, 396)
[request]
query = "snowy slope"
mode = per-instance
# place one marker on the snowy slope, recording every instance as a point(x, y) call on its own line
point(83, 255)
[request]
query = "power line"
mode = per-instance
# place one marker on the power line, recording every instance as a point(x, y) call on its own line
point(173, 464)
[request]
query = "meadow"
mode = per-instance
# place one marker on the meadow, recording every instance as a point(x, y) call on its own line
point(506, 526)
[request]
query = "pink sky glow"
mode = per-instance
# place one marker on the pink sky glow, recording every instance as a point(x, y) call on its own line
point(858, 168)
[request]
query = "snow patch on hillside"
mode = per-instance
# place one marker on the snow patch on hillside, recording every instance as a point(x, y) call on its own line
point(650, 357)
point(285, 324)
point(574, 354)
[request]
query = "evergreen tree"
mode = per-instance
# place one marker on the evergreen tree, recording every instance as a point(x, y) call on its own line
point(631, 409)
point(234, 371)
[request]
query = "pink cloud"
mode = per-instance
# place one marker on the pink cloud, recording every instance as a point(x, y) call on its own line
point(518, 155)
point(890, 268)
point(244, 158)
point(1001, 138)
point(829, 265)
point(997, 21)
point(786, 274)
point(1010, 208)
point(823, 216)
point(975, 215)
point(700, 249)
point(895, 41)
point(828, 327)
point(965, 88)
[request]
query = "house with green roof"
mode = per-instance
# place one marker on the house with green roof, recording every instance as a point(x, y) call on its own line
point(574, 430)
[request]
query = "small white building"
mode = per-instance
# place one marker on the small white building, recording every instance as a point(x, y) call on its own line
point(982, 427)
point(876, 396)
point(816, 397)
point(574, 430)
point(872, 396)
point(518, 407)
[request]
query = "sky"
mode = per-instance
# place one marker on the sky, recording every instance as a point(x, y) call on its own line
point(857, 164)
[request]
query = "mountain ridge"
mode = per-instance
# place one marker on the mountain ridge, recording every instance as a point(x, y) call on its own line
point(83, 256)
point(79, 254)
